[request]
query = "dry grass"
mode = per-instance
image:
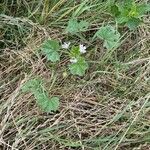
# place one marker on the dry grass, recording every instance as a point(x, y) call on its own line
point(106, 109)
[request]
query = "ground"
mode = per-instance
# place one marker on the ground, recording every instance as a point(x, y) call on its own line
point(107, 108)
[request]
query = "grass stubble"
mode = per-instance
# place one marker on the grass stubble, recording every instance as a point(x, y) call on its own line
point(106, 109)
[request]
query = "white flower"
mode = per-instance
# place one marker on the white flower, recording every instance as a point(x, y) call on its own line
point(73, 60)
point(82, 48)
point(65, 45)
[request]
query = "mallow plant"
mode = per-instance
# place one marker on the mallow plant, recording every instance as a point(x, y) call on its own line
point(77, 63)
point(129, 13)
point(46, 103)
point(125, 12)
point(77, 66)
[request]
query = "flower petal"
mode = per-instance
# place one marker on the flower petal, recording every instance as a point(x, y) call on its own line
point(65, 45)
point(82, 48)
point(73, 60)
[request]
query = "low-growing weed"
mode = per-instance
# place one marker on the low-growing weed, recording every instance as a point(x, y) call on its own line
point(129, 13)
point(35, 86)
point(78, 64)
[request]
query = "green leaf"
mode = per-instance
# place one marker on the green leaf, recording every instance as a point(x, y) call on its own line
point(79, 68)
point(74, 53)
point(130, 13)
point(110, 36)
point(31, 85)
point(125, 5)
point(48, 105)
point(74, 26)
point(36, 88)
point(50, 49)
point(115, 10)
point(125, 12)
point(133, 13)
point(133, 23)
point(122, 19)
point(143, 8)
point(83, 25)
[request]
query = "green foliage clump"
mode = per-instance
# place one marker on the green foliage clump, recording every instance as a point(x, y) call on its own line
point(80, 66)
point(35, 86)
point(129, 13)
